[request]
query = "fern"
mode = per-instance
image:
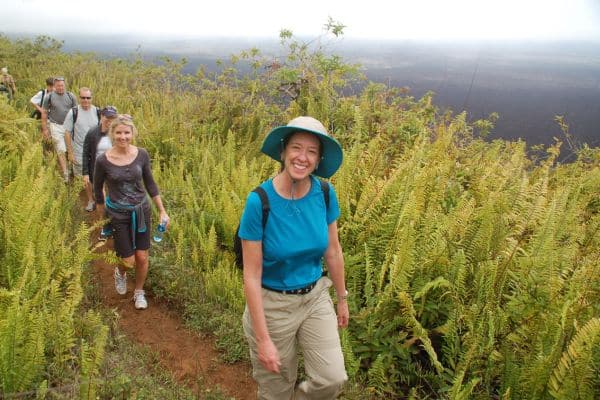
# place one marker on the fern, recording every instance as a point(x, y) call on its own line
point(419, 332)
point(574, 372)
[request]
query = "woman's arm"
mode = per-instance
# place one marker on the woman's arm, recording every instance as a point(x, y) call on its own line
point(335, 263)
point(161, 210)
point(267, 352)
point(147, 177)
point(152, 187)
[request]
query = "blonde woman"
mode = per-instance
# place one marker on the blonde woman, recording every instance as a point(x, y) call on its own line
point(126, 170)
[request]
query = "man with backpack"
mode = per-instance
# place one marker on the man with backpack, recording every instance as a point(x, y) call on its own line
point(79, 120)
point(38, 99)
point(57, 104)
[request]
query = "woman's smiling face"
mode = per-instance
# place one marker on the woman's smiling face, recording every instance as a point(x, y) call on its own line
point(123, 135)
point(301, 155)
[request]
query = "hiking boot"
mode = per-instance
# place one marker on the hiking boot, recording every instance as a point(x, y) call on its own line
point(120, 281)
point(91, 206)
point(139, 297)
point(105, 233)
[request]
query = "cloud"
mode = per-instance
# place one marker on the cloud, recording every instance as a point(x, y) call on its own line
point(401, 19)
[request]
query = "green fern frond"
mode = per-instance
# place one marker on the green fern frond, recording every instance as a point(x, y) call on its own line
point(408, 313)
point(564, 380)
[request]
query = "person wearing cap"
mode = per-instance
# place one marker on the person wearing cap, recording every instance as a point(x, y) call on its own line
point(96, 142)
point(288, 304)
point(126, 170)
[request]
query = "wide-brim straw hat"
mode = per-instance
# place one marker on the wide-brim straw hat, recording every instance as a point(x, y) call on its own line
point(331, 157)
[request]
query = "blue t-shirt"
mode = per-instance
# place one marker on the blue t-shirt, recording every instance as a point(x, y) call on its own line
point(295, 237)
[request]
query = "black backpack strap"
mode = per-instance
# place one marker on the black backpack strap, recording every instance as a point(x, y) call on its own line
point(43, 94)
point(325, 189)
point(75, 112)
point(266, 207)
point(98, 114)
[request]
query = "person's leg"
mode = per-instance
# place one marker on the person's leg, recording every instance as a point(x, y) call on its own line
point(107, 229)
point(58, 137)
point(123, 247)
point(62, 163)
point(89, 192)
point(141, 272)
point(281, 311)
point(141, 268)
point(138, 260)
point(127, 263)
point(319, 340)
point(142, 244)
point(77, 170)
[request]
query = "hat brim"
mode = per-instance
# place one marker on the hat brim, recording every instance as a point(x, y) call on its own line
point(331, 159)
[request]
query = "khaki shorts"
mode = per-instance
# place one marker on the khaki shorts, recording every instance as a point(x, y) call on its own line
point(307, 322)
point(57, 132)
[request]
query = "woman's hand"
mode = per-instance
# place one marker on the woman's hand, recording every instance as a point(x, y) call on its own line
point(343, 315)
point(165, 217)
point(269, 356)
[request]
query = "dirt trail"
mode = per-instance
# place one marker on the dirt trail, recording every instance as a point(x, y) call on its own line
point(190, 358)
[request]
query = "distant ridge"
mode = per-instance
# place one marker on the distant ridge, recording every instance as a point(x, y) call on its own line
point(526, 83)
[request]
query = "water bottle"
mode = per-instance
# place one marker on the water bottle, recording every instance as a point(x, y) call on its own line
point(160, 231)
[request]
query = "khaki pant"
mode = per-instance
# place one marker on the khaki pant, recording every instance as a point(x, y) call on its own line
point(307, 322)
point(57, 132)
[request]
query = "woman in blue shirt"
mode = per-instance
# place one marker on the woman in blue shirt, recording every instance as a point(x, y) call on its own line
point(287, 294)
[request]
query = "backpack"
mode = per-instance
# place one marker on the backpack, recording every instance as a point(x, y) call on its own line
point(35, 113)
point(264, 200)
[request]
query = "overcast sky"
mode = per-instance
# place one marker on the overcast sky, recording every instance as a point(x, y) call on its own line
point(389, 19)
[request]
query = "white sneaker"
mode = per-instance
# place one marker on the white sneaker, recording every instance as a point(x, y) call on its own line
point(140, 299)
point(120, 281)
point(91, 206)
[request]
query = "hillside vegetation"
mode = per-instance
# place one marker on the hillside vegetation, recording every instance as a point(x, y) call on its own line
point(473, 267)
